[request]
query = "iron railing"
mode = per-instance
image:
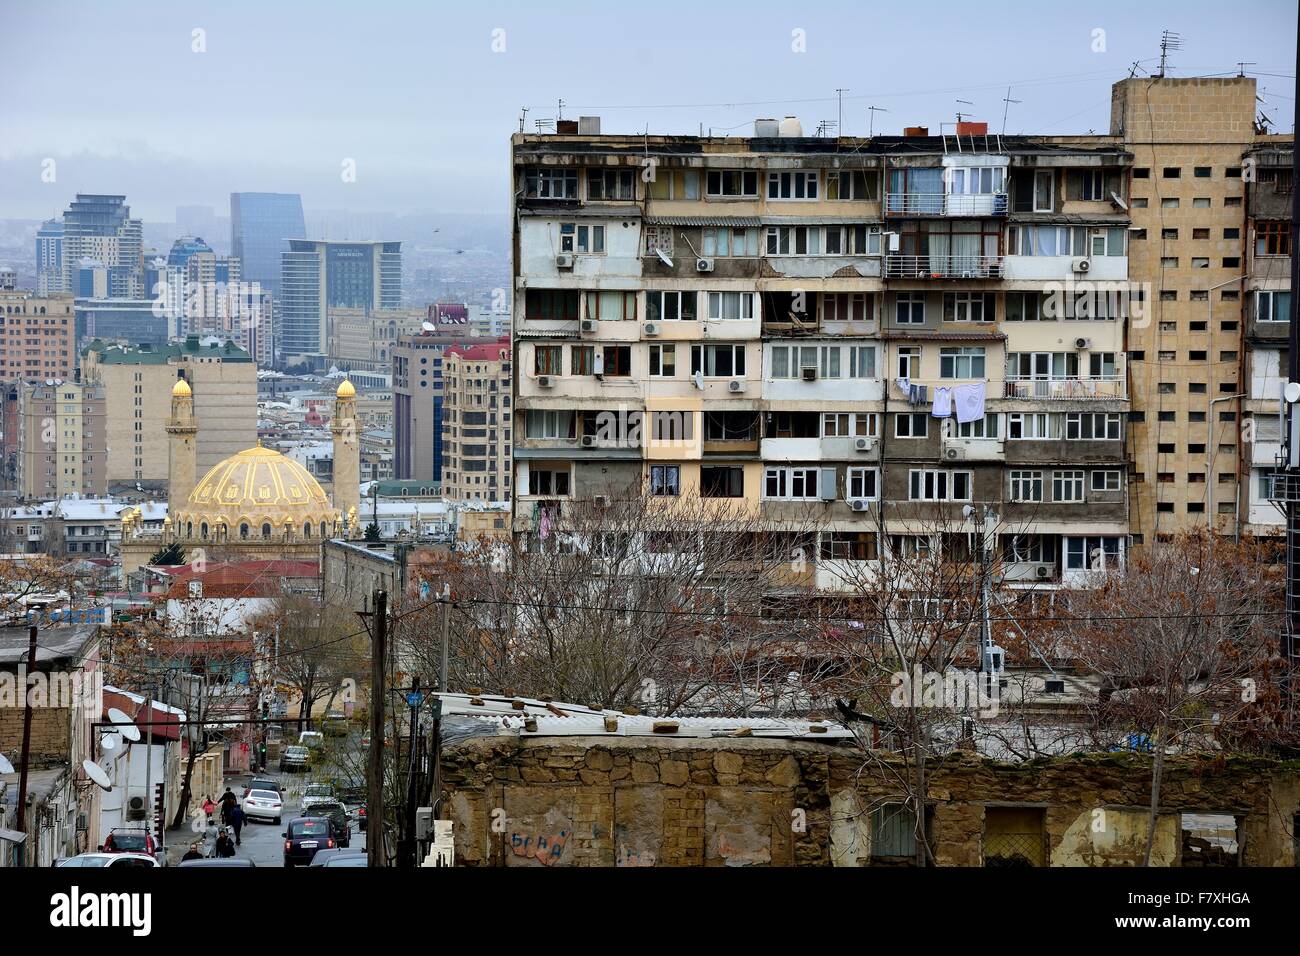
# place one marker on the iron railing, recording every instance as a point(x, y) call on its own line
point(1066, 389)
point(946, 204)
point(943, 267)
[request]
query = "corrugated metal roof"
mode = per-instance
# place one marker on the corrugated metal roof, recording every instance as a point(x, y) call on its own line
point(583, 212)
point(735, 222)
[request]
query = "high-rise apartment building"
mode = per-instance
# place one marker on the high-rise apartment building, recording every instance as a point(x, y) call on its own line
point(38, 337)
point(100, 229)
point(260, 226)
point(49, 258)
point(63, 435)
point(317, 275)
point(137, 385)
point(885, 331)
point(476, 422)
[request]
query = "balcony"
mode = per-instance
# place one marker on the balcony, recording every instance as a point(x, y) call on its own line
point(943, 267)
point(945, 204)
point(1067, 389)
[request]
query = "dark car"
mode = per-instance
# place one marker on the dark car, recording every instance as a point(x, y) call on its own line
point(228, 861)
point(130, 840)
point(340, 824)
point(304, 836)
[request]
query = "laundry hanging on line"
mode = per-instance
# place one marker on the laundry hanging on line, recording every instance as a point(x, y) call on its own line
point(969, 400)
point(942, 402)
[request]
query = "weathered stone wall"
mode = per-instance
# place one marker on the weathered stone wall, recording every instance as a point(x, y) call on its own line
point(615, 801)
point(50, 728)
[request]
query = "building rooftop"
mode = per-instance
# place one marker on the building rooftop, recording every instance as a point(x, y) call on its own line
point(110, 354)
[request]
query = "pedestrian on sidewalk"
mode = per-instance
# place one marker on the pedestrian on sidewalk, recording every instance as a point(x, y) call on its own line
point(208, 809)
point(225, 846)
point(193, 853)
point(228, 802)
point(237, 821)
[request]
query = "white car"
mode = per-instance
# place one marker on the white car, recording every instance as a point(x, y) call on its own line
point(117, 860)
point(317, 793)
point(263, 805)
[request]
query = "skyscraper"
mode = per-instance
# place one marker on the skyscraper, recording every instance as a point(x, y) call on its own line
point(260, 225)
point(100, 228)
point(317, 275)
point(49, 258)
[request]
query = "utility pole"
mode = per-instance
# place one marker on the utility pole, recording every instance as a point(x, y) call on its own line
point(378, 698)
point(27, 745)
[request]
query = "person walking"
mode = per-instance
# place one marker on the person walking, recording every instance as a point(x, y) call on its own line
point(193, 853)
point(228, 803)
point(237, 821)
point(225, 846)
point(208, 809)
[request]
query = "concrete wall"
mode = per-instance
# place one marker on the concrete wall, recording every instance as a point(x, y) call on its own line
point(615, 801)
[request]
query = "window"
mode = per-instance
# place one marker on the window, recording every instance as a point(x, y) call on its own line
point(862, 361)
point(1026, 486)
point(1171, 172)
point(665, 480)
point(550, 182)
point(910, 308)
point(723, 241)
point(909, 361)
point(1272, 306)
point(848, 546)
point(961, 362)
point(617, 361)
point(861, 240)
point(1087, 184)
point(1092, 553)
point(976, 181)
point(1024, 306)
point(1273, 239)
point(611, 306)
point(1083, 426)
point(582, 360)
point(792, 185)
point(849, 184)
point(675, 184)
point(928, 484)
point(722, 482)
point(663, 361)
point(969, 307)
point(1105, 480)
point(548, 360)
point(731, 305)
point(847, 307)
point(548, 480)
point(986, 427)
point(718, 360)
point(848, 424)
point(790, 484)
point(549, 423)
point(1044, 190)
point(575, 237)
point(861, 483)
point(1066, 241)
point(1030, 425)
point(670, 306)
point(1067, 486)
point(551, 305)
point(794, 241)
point(1141, 172)
point(1028, 548)
point(728, 183)
point(911, 425)
point(611, 184)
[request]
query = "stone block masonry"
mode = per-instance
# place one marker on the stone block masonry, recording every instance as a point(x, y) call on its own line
point(621, 801)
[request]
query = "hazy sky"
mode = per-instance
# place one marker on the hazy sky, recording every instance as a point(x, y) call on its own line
point(417, 96)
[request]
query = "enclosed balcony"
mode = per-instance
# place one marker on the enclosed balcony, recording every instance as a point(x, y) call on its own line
point(943, 267)
point(950, 190)
point(1067, 389)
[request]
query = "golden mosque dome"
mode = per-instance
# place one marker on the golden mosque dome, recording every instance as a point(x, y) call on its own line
point(256, 494)
point(181, 389)
point(346, 390)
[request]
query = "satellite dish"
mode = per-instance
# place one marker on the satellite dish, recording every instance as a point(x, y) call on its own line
point(5, 765)
point(664, 258)
point(699, 378)
point(110, 741)
point(96, 773)
point(428, 326)
point(1292, 392)
point(126, 727)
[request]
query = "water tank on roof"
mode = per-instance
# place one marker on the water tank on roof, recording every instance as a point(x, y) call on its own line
point(791, 127)
point(764, 128)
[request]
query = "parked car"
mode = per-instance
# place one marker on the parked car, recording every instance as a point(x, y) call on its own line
point(303, 837)
point(263, 805)
point(323, 857)
point(317, 793)
point(312, 739)
point(224, 861)
point(352, 859)
point(335, 724)
point(129, 840)
point(263, 783)
point(294, 759)
point(359, 814)
point(340, 824)
point(115, 860)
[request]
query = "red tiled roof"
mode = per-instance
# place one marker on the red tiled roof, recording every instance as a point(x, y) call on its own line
point(486, 353)
point(235, 579)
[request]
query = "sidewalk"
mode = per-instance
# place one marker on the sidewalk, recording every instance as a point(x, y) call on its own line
point(180, 838)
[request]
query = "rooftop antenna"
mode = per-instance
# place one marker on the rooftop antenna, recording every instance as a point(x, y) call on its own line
point(1168, 41)
point(961, 114)
point(1242, 64)
point(559, 115)
point(872, 111)
point(523, 116)
point(825, 126)
point(1008, 101)
point(839, 122)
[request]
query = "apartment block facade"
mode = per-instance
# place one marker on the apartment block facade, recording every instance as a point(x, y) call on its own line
point(38, 337)
point(476, 422)
point(63, 440)
point(789, 316)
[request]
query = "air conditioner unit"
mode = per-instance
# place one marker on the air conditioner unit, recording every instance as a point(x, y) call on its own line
point(651, 329)
point(859, 504)
point(601, 501)
point(1082, 343)
point(1081, 265)
point(588, 326)
point(545, 381)
point(1043, 571)
point(954, 453)
point(736, 385)
point(703, 265)
point(564, 261)
point(810, 373)
point(588, 441)
point(135, 808)
point(863, 444)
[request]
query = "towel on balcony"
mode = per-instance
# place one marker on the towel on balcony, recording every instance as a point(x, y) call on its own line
point(942, 402)
point(904, 386)
point(970, 402)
